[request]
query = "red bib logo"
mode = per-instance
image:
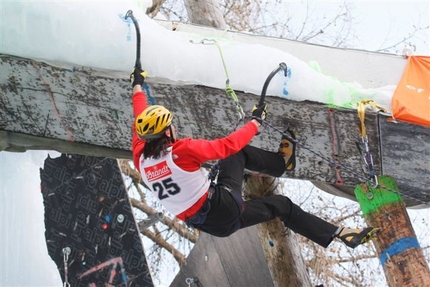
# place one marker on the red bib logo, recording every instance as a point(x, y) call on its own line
point(157, 171)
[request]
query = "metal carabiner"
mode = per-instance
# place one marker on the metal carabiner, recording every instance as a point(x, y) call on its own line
point(191, 280)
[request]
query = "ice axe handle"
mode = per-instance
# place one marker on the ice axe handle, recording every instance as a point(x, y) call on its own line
point(282, 66)
point(136, 25)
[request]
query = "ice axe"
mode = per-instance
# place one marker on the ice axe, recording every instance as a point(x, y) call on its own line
point(282, 66)
point(136, 25)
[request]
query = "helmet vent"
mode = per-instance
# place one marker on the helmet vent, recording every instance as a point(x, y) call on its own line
point(153, 121)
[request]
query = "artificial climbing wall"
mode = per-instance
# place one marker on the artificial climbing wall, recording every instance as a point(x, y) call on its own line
point(91, 233)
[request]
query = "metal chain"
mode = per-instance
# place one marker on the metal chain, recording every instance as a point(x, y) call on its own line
point(368, 161)
point(366, 155)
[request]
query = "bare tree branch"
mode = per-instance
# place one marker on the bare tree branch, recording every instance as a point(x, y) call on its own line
point(158, 239)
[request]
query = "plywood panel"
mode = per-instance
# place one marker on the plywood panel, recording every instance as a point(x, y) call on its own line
point(237, 260)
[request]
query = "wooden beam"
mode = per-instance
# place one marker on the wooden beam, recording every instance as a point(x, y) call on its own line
point(79, 105)
point(369, 69)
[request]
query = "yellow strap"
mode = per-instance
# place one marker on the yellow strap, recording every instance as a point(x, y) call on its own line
point(361, 109)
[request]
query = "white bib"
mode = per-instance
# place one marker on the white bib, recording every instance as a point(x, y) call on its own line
point(176, 188)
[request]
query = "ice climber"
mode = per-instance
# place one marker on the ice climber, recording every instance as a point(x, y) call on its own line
point(172, 169)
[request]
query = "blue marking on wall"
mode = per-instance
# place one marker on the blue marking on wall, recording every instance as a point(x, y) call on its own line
point(398, 247)
point(150, 98)
point(285, 90)
point(128, 21)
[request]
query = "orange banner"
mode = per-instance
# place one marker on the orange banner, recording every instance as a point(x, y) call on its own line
point(411, 99)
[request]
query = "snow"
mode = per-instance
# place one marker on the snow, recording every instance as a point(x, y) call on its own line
point(95, 34)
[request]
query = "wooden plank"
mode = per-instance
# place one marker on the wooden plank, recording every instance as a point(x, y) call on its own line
point(405, 151)
point(237, 260)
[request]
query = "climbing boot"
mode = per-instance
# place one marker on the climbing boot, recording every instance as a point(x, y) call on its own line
point(287, 148)
point(354, 237)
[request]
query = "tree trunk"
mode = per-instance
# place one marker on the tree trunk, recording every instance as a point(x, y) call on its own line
point(205, 12)
point(399, 252)
point(280, 244)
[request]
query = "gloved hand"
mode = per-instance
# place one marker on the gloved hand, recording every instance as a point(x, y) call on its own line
point(138, 76)
point(259, 113)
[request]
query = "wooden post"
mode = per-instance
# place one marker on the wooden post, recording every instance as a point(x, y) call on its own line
point(280, 245)
point(399, 251)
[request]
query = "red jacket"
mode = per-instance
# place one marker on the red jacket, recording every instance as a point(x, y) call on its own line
point(191, 153)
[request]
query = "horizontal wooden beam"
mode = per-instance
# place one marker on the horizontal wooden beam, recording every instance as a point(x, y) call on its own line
point(78, 106)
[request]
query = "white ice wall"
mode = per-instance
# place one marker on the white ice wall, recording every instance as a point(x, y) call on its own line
point(95, 34)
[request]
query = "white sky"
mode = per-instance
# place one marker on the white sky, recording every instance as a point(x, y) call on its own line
point(380, 23)
point(24, 260)
point(383, 21)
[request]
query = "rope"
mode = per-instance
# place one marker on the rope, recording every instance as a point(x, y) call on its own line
point(230, 92)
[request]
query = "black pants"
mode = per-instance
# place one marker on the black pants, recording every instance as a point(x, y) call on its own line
point(228, 212)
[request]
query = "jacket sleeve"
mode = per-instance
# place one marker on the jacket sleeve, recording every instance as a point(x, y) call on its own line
point(200, 150)
point(139, 104)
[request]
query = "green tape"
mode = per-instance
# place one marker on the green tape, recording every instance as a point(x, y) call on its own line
point(339, 94)
point(372, 199)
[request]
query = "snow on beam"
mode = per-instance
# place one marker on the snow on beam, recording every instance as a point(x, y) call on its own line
point(78, 105)
point(369, 69)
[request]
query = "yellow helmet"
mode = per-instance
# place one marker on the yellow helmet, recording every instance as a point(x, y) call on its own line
point(153, 121)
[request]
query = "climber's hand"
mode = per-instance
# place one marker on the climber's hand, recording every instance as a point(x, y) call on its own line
point(138, 76)
point(259, 113)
